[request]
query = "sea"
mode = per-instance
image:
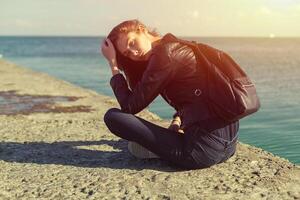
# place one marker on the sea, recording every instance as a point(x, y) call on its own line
point(272, 63)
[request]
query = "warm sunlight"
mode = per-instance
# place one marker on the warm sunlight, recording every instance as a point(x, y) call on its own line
point(244, 18)
point(159, 99)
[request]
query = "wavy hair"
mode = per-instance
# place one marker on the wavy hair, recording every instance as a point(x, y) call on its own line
point(132, 69)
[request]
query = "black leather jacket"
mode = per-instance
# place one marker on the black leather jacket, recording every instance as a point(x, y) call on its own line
point(171, 73)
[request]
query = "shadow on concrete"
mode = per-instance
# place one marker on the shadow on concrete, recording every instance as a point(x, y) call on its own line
point(72, 153)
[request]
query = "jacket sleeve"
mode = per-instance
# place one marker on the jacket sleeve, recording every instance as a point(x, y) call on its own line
point(158, 74)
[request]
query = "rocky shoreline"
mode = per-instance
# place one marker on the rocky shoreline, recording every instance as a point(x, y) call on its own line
point(60, 148)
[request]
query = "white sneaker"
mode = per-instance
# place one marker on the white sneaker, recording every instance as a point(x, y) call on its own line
point(139, 151)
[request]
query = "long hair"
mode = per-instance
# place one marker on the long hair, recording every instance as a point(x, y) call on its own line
point(133, 69)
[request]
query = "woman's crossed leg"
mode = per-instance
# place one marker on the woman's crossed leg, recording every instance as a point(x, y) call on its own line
point(167, 144)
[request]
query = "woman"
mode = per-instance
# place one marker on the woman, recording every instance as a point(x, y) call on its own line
point(162, 66)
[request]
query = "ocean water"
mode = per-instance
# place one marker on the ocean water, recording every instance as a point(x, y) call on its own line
point(273, 65)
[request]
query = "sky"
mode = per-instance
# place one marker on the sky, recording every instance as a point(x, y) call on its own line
point(207, 18)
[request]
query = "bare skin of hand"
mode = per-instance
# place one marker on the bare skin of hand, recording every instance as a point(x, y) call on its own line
point(108, 50)
point(175, 125)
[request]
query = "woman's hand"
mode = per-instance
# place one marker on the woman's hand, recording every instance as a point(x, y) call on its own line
point(109, 53)
point(108, 50)
point(175, 125)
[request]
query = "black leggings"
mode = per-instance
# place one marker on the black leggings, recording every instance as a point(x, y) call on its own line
point(194, 149)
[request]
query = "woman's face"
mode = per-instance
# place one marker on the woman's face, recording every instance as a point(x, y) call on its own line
point(134, 45)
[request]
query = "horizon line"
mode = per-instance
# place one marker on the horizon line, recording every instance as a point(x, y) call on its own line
point(193, 36)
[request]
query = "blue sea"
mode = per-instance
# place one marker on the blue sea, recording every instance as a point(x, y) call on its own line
point(272, 63)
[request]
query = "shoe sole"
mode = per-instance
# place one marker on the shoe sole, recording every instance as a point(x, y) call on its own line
point(139, 151)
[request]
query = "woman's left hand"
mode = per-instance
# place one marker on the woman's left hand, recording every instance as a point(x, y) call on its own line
point(175, 125)
point(108, 50)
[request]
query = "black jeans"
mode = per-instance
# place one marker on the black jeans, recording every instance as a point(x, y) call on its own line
point(194, 149)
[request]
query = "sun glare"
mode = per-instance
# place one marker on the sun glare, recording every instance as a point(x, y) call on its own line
point(271, 35)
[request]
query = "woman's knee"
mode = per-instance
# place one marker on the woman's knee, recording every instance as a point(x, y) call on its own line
point(110, 116)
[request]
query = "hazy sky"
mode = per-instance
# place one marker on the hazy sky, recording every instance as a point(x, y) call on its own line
point(181, 17)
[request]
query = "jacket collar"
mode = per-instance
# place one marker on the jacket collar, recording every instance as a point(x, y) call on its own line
point(169, 37)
